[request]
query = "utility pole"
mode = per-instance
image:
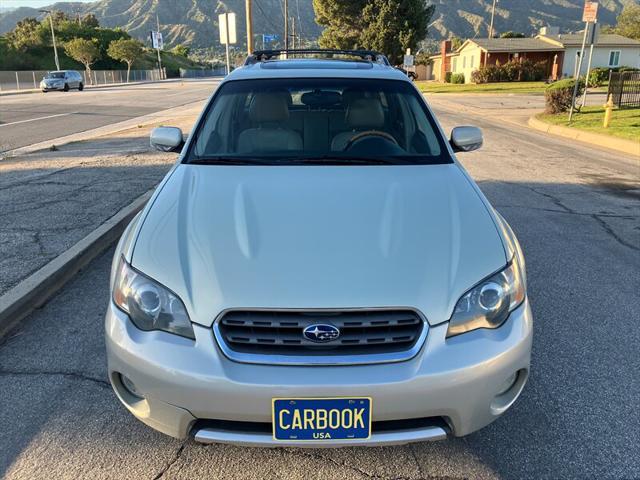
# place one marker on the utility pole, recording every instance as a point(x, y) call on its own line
point(249, 27)
point(293, 31)
point(226, 43)
point(286, 25)
point(159, 59)
point(493, 12)
point(53, 38)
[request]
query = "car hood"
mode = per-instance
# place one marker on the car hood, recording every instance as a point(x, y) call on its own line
point(318, 237)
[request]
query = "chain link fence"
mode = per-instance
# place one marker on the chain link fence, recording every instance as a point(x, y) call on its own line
point(30, 79)
point(203, 73)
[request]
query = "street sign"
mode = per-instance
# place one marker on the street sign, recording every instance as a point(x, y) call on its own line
point(593, 31)
point(408, 60)
point(227, 21)
point(156, 40)
point(268, 38)
point(590, 12)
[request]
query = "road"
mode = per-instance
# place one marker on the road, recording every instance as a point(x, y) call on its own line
point(31, 118)
point(575, 209)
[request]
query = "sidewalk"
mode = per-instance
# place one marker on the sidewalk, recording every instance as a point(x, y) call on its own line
point(51, 200)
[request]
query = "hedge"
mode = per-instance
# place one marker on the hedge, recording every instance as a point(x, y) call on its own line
point(599, 75)
point(457, 78)
point(514, 71)
point(558, 95)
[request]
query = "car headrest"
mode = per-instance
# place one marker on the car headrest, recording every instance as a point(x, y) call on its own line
point(365, 113)
point(269, 107)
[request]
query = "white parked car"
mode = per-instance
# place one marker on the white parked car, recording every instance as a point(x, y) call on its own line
point(318, 269)
point(62, 80)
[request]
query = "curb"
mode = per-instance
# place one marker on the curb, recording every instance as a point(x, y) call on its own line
point(36, 289)
point(621, 145)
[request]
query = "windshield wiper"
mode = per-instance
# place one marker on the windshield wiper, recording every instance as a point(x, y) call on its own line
point(221, 160)
point(348, 160)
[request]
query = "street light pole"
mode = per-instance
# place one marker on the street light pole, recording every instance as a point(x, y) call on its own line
point(493, 12)
point(249, 27)
point(159, 59)
point(53, 37)
point(286, 25)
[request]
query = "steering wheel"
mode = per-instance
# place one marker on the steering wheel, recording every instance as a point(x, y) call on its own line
point(369, 133)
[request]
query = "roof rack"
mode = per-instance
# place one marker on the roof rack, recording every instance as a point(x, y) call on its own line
point(264, 55)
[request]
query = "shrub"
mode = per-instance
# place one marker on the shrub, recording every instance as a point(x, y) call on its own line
point(598, 76)
point(513, 71)
point(558, 95)
point(457, 78)
point(447, 77)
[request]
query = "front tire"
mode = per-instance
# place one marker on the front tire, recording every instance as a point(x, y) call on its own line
point(80, 87)
point(66, 87)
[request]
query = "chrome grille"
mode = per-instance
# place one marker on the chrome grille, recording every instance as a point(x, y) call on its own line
point(362, 333)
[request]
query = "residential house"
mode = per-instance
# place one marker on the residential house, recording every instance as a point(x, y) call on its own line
point(558, 52)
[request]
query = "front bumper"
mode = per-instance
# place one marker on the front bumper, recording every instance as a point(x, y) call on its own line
point(52, 87)
point(182, 381)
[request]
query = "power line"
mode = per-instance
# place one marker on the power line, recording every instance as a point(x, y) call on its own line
point(300, 35)
point(264, 15)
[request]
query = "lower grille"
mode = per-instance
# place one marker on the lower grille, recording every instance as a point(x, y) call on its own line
point(376, 332)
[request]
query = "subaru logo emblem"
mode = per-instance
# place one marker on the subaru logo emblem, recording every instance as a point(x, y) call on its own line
point(321, 332)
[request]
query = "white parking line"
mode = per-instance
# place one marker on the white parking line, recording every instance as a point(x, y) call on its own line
point(36, 119)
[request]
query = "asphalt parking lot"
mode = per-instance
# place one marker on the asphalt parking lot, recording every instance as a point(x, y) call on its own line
point(575, 209)
point(30, 118)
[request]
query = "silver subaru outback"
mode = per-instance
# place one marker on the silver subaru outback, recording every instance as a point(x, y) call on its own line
point(318, 269)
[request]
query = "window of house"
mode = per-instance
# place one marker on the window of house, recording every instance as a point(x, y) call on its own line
point(454, 64)
point(464, 62)
point(472, 60)
point(614, 58)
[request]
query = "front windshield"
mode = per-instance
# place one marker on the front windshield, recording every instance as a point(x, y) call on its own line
point(55, 75)
point(286, 121)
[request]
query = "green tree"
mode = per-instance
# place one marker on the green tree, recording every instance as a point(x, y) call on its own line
point(390, 26)
point(125, 50)
point(25, 35)
point(181, 50)
point(512, 34)
point(456, 43)
point(629, 22)
point(343, 22)
point(84, 51)
point(90, 20)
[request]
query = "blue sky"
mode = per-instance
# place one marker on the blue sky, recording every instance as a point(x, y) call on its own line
point(28, 3)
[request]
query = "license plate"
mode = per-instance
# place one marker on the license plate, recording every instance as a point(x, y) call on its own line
point(321, 418)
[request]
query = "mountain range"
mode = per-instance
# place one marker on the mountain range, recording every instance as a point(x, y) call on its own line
point(195, 22)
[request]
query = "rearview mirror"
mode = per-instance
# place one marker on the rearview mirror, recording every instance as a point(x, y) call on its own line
point(466, 139)
point(166, 139)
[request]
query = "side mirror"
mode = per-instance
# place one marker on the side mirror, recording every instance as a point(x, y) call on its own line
point(166, 139)
point(466, 139)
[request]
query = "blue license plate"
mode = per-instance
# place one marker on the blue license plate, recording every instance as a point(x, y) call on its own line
point(321, 418)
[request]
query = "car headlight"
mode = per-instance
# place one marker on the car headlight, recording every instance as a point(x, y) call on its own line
point(489, 303)
point(150, 305)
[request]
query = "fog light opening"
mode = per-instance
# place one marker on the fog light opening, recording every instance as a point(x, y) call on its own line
point(130, 387)
point(507, 384)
